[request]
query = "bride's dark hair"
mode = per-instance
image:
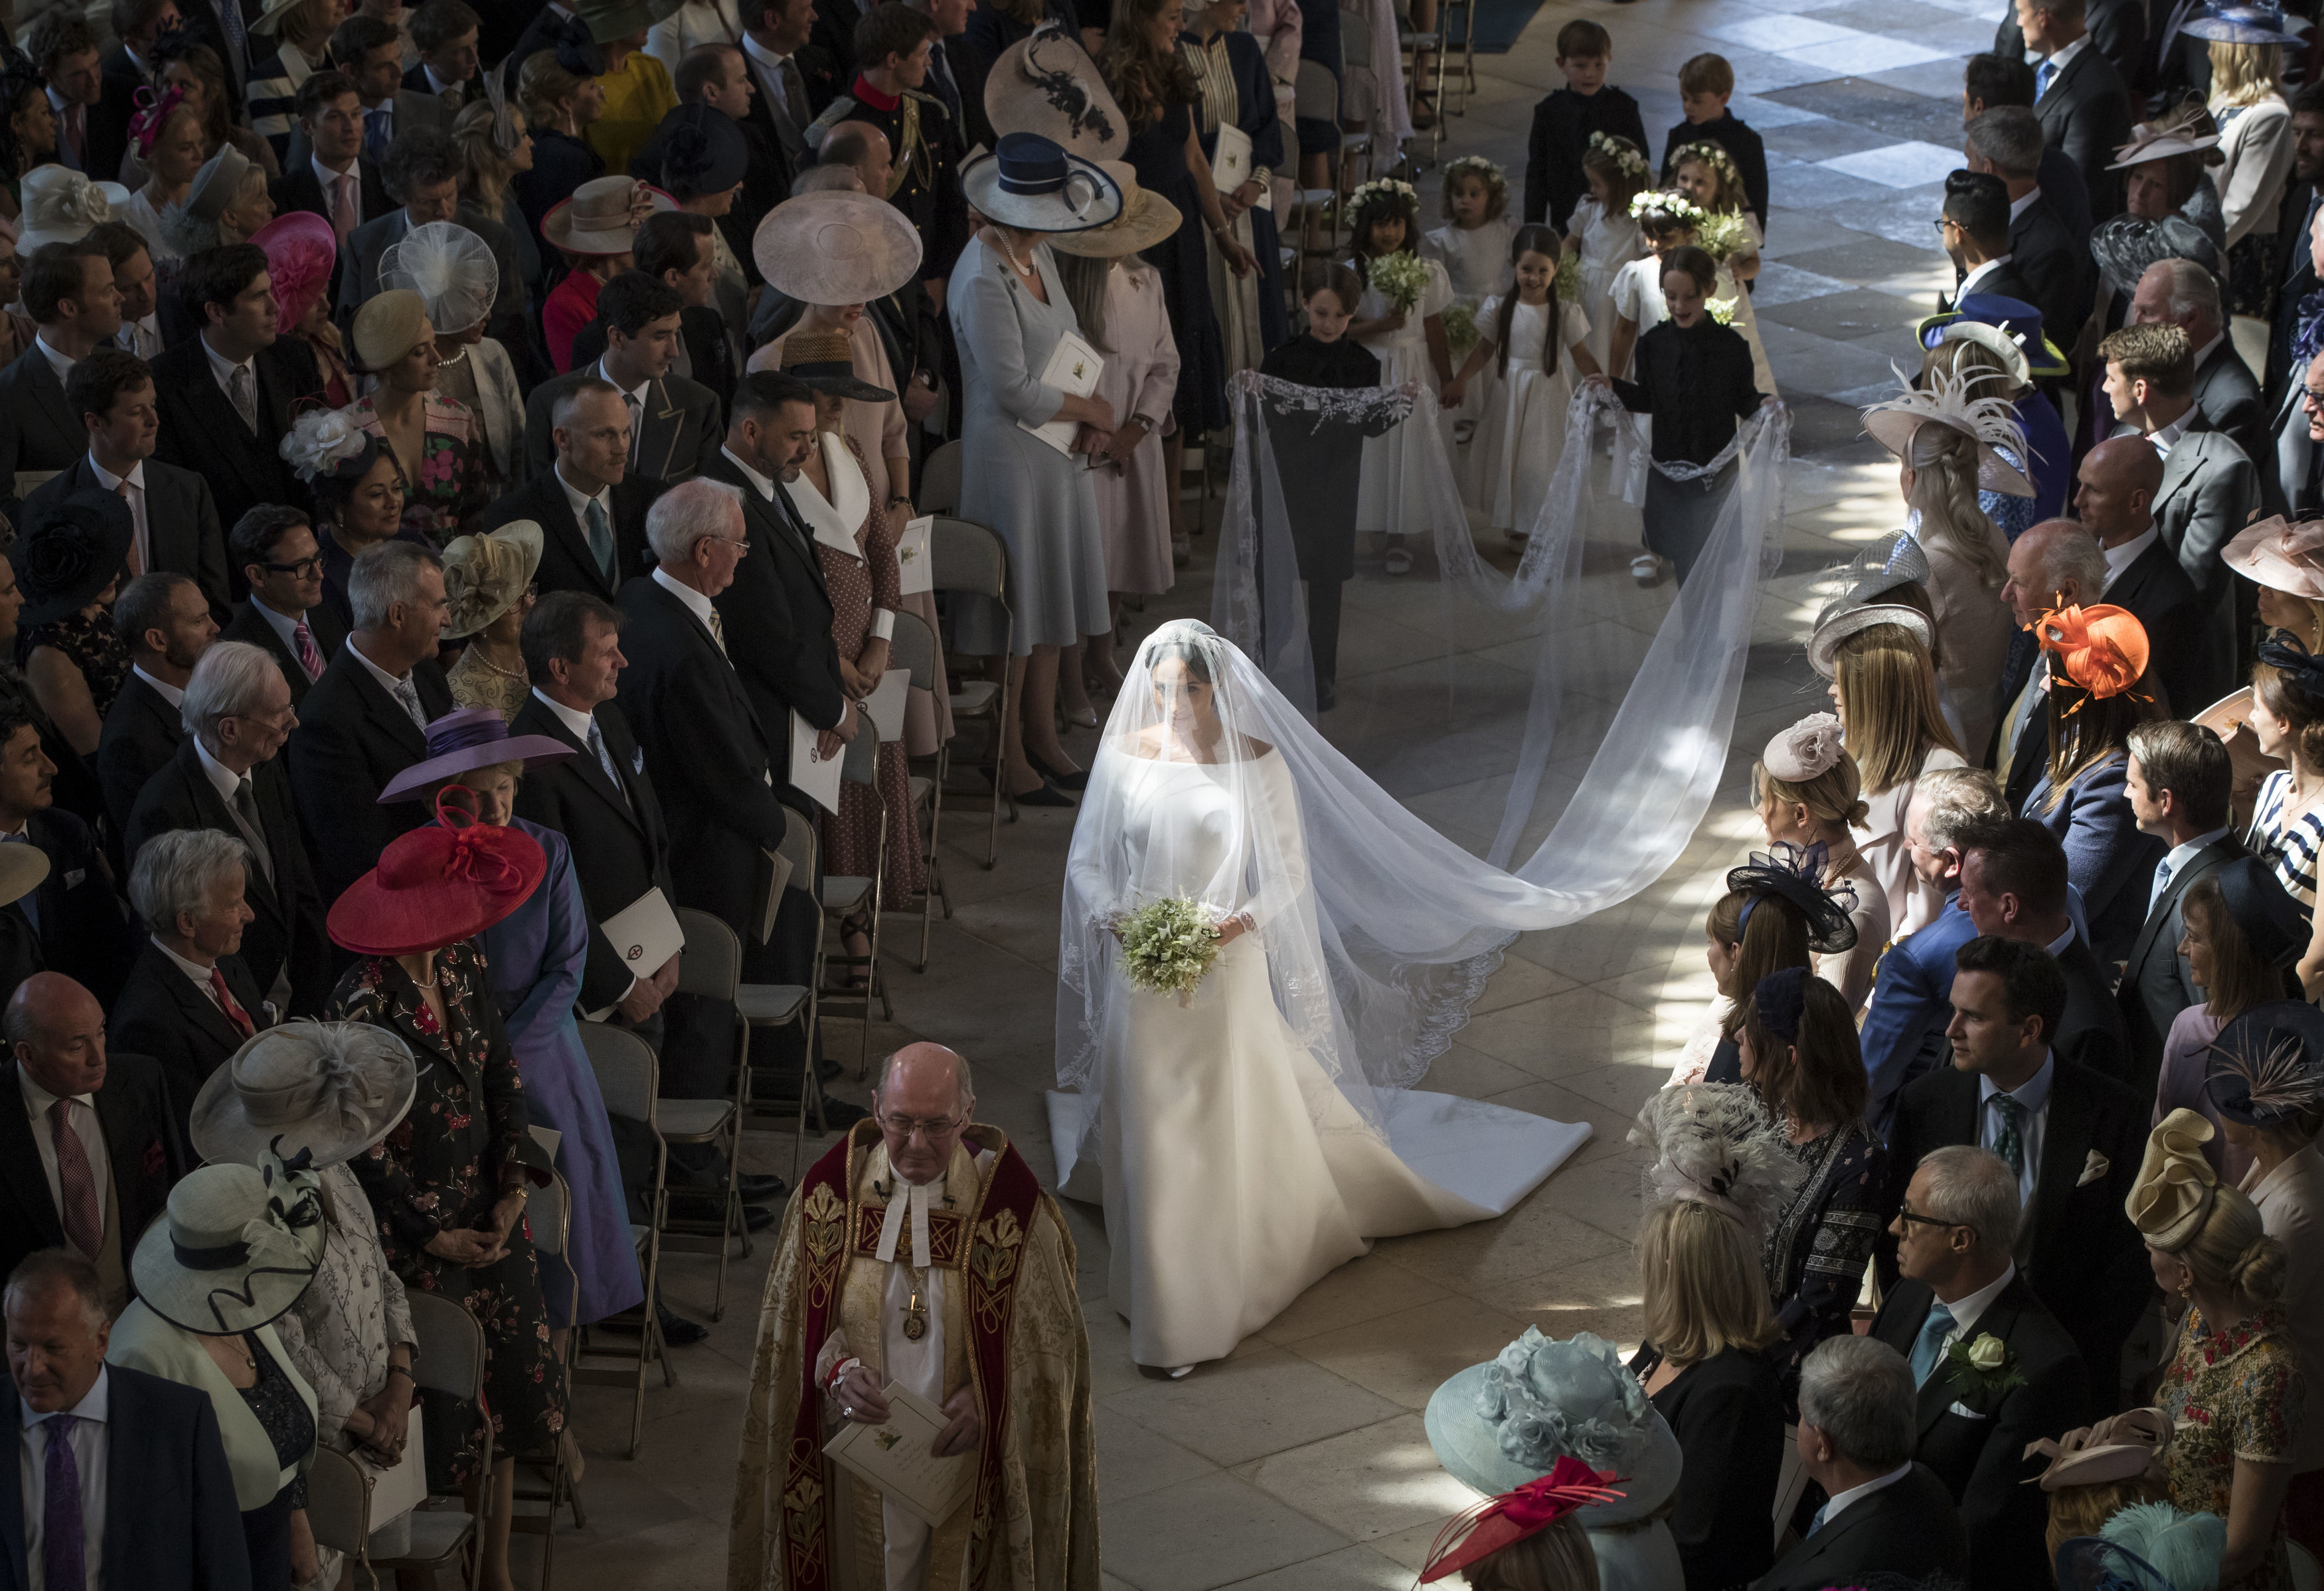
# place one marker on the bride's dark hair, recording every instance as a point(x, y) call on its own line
point(1187, 652)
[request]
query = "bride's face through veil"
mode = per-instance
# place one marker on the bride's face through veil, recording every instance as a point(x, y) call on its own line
point(1183, 696)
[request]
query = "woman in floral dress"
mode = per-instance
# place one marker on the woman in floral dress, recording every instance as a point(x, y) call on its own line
point(450, 1183)
point(443, 459)
point(2234, 1391)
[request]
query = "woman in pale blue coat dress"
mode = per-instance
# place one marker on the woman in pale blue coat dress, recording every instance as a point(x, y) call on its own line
point(1008, 309)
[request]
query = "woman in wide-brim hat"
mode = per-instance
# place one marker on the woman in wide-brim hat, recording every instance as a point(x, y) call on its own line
point(488, 581)
point(442, 461)
point(1010, 311)
point(2247, 46)
point(458, 280)
point(450, 1184)
point(302, 256)
point(1118, 296)
point(1996, 347)
point(69, 557)
point(536, 957)
point(328, 1092)
point(61, 206)
point(236, 1250)
point(595, 231)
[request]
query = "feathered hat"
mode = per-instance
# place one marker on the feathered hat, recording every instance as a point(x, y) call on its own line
point(1504, 1520)
point(2183, 1547)
point(1717, 1144)
point(1991, 423)
point(1797, 873)
point(2267, 1065)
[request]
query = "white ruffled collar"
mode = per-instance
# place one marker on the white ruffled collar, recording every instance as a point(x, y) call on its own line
point(835, 524)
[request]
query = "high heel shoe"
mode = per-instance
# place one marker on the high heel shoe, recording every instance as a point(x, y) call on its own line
point(1076, 780)
point(1045, 794)
point(1084, 719)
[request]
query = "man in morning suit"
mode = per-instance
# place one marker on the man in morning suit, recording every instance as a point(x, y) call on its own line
point(1886, 1512)
point(370, 49)
point(126, 66)
point(2182, 293)
point(112, 394)
point(2005, 142)
point(1975, 226)
point(1991, 81)
point(783, 109)
point(228, 396)
point(190, 1002)
point(95, 1190)
point(74, 915)
point(675, 424)
point(281, 566)
point(229, 776)
point(422, 171)
point(2013, 885)
point(2082, 100)
point(68, 290)
point(2113, 495)
point(168, 627)
point(589, 504)
point(330, 177)
point(2053, 564)
point(366, 719)
point(142, 1468)
point(1960, 1286)
point(2073, 1136)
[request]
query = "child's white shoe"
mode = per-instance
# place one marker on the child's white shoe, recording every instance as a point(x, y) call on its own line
point(1646, 569)
point(1399, 561)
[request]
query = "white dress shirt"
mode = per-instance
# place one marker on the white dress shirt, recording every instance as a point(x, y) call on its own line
point(767, 68)
point(1970, 281)
point(2167, 437)
point(57, 361)
point(223, 779)
point(91, 1131)
point(2033, 1095)
point(287, 626)
point(222, 370)
point(1854, 1494)
point(577, 724)
point(91, 1447)
point(2118, 558)
point(695, 602)
point(387, 681)
point(141, 538)
point(2017, 206)
point(1967, 1311)
point(2063, 54)
point(580, 503)
point(196, 973)
point(2168, 868)
point(175, 695)
point(140, 338)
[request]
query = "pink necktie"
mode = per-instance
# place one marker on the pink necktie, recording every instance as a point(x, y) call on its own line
point(83, 1215)
point(342, 209)
point(233, 1012)
point(310, 659)
point(73, 134)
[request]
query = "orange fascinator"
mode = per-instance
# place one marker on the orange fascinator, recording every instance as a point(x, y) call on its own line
point(1505, 1520)
point(2102, 648)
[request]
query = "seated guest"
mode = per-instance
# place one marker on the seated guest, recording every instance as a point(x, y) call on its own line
point(192, 60)
point(2287, 719)
point(488, 581)
point(449, 1195)
point(1807, 790)
point(226, 395)
point(68, 290)
point(167, 627)
point(146, 1474)
point(2178, 779)
point(2241, 934)
point(2069, 1134)
point(2236, 1389)
point(1799, 1054)
point(443, 463)
point(2099, 1470)
point(331, 1091)
point(175, 518)
point(2096, 696)
point(453, 271)
point(335, 180)
point(205, 1325)
point(73, 913)
point(98, 1126)
point(1960, 1289)
point(2118, 484)
point(190, 1002)
point(302, 261)
point(68, 568)
point(590, 505)
point(677, 424)
point(366, 718)
point(595, 228)
point(282, 565)
point(1888, 1513)
point(678, 249)
point(227, 203)
point(358, 490)
point(2013, 884)
point(2054, 564)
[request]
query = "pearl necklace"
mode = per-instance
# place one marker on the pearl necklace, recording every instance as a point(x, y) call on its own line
point(1010, 255)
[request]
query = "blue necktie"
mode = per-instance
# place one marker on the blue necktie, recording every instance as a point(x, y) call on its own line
point(2162, 883)
point(375, 137)
point(1816, 1523)
point(1926, 1345)
point(2043, 76)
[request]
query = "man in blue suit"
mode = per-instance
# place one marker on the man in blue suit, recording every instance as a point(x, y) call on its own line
point(1904, 1025)
point(132, 1488)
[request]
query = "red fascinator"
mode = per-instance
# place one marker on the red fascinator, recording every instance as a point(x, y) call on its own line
point(438, 886)
point(2102, 649)
point(302, 251)
point(1505, 1520)
point(154, 108)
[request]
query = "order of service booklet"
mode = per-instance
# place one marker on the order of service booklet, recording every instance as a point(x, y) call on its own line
point(899, 1456)
point(1072, 368)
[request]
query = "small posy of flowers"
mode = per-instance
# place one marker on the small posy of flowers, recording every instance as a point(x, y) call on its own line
point(1624, 154)
point(1722, 236)
point(1401, 279)
point(1568, 281)
point(1721, 311)
point(1168, 945)
point(1460, 329)
point(1983, 1366)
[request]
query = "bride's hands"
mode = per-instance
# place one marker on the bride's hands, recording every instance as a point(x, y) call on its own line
point(1232, 929)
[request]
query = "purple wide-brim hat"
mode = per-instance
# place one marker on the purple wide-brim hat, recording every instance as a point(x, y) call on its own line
point(467, 739)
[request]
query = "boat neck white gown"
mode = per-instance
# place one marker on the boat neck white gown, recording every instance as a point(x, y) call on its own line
point(1234, 1171)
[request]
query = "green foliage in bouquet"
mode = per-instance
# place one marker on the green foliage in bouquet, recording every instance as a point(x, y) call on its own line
point(1723, 237)
point(1568, 282)
point(1168, 944)
point(1401, 278)
point(1461, 330)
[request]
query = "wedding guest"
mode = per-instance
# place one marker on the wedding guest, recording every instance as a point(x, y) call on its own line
point(1790, 882)
point(358, 487)
point(2242, 934)
point(69, 557)
point(1808, 793)
point(168, 143)
point(435, 443)
point(590, 504)
point(282, 565)
point(196, 70)
point(301, 259)
point(488, 582)
point(2177, 781)
point(595, 228)
point(560, 103)
point(226, 204)
point(636, 88)
point(167, 627)
point(2014, 886)
point(1231, 67)
point(2099, 1470)
point(2287, 831)
point(496, 148)
point(675, 424)
point(2055, 564)
point(1528, 1539)
point(458, 281)
point(1987, 357)
point(189, 1002)
point(1747, 936)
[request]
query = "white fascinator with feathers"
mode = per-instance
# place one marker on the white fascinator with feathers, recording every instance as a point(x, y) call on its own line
point(1991, 423)
point(322, 441)
point(1715, 1145)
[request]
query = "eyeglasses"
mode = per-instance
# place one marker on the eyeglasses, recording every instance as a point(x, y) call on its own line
point(302, 569)
point(2313, 396)
point(1909, 1218)
point(908, 1128)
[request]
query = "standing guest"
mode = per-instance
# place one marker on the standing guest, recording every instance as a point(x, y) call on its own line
point(1008, 308)
point(2078, 95)
point(366, 718)
point(2055, 564)
point(301, 31)
point(1974, 229)
point(167, 627)
point(370, 50)
point(227, 777)
point(2069, 1134)
point(559, 104)
point(2118, 482)
point(2186, 295)
point(2282, 560)
point(66, 50)
point(1808, 792)
point(77, 789)
point(435, 443)
point(94, 1149)
point(207, 1324)
point(68, 560)
point(68, 292)
point(2236, 1389)
point(360, 491)
point(596, 229)
point(282, 565)
point(488, 582)
point(190, 1002)
point(444, 36)
point(170, 145)
point(681, 250)
point(458, 280)
point(2014, 883)
point(1960, 1289)
point(891, 47)
point(1231, 67)
point(335, 181)
point(137, 282)
point(1887, 1511)
point(637, 89)
point(1705, 85)
point(2005, 142)
point(773, 32)
point(496, 148)
point(142, 1467)
point(700, 157)
point(589, 504)
point(198, 70)
point(2287, 831)
point(301, 262)
point(331, 1092)
point(2177, 781)
point(2247, 99)
point(422, 173)
point(448, 1185)
point(75, 920)
point(1565, 119)
point(2243, 933)
point(238, 357)
point(28, 132)
point(1529, 1537)
point(1750, 934)
point(675, 423)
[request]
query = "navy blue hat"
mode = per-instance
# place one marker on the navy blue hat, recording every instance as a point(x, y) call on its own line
point(2020, 320)
point(702, 151)
point(2267, 1065)
point(1035, 185)
point(2271, 921)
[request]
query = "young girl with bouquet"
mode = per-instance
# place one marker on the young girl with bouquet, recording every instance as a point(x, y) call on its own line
point(1401, 319)
point(1706, 173)
point(1601, 237)
point(1473, 248)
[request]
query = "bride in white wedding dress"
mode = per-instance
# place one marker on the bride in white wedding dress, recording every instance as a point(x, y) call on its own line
point(1244, 1147)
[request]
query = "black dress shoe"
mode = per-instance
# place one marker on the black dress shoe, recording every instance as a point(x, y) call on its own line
point(1076, 781)
point(762, 1187)
point(1047, 795)
point(676, 1330)
point(828, 1069)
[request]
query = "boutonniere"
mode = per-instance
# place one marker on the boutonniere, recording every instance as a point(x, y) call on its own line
point(2094, 1168)
point(152, 1164)
point(1983, 1368)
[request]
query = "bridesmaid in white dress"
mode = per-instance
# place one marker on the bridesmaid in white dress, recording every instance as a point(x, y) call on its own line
point(1473, 248)
point(1410, 347)
point(1601, 234)
point(1537, 342)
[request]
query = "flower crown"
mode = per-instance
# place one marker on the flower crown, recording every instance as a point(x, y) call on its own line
point(1624, 154)
point(1710, 154)
point(1676, 205)
point(1386, 191)
point(1478, 166)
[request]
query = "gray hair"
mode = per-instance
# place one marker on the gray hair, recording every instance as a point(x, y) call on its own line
point(44, 1269)
point(143, 605)
point(1973, 1188)
point(229, 682)
point(688, 511)
point(385, 574)
point(1858, 1392)
point(1954, 799)
point(2069, 553)
point(174, 871)
point(2008, 137)
point(960, 1063)
point(2194, 290)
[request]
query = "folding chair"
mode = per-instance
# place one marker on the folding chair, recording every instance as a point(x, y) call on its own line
point(775, 1005)
point(940, 480)
point(629, 1076)
point(542, 1476)
point(971, 559)
point(1315, 96)
point(450, 1359)
point(339, 1502)
point(712, 968)
point(914, 647)
point(846, 895)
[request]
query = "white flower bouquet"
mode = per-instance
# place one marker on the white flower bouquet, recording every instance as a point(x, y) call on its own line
point(1168, 945)
point(1723, 236)
point(1461, 333)
point(1401, 279)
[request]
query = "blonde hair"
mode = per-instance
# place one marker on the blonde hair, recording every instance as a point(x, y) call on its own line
point(1705, 1290)
point(2081, 1510)
point(1888, 704)
point(2245, 74)
point(1556, 1558)
point(2231, 1251)
point(1832, 796)
point(1943, 462)
point(484, 171)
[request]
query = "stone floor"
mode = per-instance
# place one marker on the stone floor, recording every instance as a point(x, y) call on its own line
point(1300, 1463)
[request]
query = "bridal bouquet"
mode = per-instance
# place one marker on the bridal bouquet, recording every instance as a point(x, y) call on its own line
point(1168, 944)
point(1401, 278)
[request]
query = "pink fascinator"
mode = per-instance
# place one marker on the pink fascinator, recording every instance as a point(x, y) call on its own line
point(1809, 749)
point(300, 253)
point(154, 109)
